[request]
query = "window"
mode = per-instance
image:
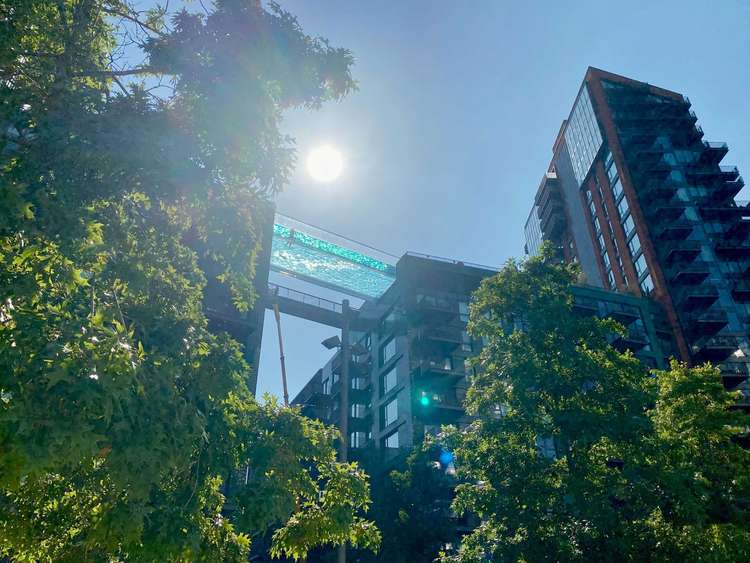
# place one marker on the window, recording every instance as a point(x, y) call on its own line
point(640, 265)
point(634, 245)
point(387, 351)
point(463, 311)
point(357, 440)
point(358, 410)
point(390, 412)
point(607, 263)
point(597, 226)
point(390, 380)
point(545, 447)
point(465, 341)
point(391, 441)
point(359, 383)
point(622, 207)
point(617, 189)
point(612, 173)
point(611, 279)
point(628, 225)
point(387, 324)
point(600, 238)
point(609, 160)
point(326, 386)
point(647, 285)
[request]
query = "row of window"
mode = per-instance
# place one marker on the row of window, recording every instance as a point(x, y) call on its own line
point(628, 227)
point(360, 439)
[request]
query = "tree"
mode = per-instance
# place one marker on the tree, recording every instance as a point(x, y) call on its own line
point(575, 453)
point(127, 184)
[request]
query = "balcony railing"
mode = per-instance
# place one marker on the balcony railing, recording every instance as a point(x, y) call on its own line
point(689, 273)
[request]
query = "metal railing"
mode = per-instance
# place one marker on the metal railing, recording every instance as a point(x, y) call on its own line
point(451, 261)
point(305, 298)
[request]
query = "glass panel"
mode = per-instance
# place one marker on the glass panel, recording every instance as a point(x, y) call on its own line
point(647, 285)
point(640, 265)
point(390, 412)
point(391, 441)
point(634, 245)
point(617, 189)
point(358, 410)
point(582, 135)
point(390, 380)
point(628, 225)
point(622, 207)
point(463, 311)
point(387, 351)
point(296, 251)
point(465, 341)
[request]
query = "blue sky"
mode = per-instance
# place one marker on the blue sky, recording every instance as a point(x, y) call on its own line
point(459, 104)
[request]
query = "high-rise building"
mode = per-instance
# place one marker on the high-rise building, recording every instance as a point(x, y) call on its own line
point(407, 373)
point(638, 197)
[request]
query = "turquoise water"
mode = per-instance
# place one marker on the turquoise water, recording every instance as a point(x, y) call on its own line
point(318, 261)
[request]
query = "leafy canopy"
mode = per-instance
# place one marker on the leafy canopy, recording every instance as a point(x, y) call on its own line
point(138, 153)
point(575, 453)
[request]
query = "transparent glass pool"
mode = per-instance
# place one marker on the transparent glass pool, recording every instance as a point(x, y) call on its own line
point(336, 265)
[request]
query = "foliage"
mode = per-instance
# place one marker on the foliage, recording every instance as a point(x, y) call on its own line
point(575, 453)
point(125, 188)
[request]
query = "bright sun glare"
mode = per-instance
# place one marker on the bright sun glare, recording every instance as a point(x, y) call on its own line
point(325, 164)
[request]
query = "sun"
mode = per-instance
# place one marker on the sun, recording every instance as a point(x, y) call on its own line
point(325, 164)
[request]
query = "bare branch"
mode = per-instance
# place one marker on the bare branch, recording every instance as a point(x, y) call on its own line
point(133, 19)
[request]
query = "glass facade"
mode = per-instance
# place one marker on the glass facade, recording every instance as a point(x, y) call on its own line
point(582, 135)
point(532, 231)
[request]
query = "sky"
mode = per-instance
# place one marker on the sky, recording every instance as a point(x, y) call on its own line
point(458, 106)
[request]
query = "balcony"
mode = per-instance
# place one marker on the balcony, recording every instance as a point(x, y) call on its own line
point(657, 191)
point(715, 348)
point(713, 152)
point(666, 211)
point(722, 212)
point(679, 250)
point(695, 297)
point(707, 323)
point(676, 230)
point(729, 173)
point(634, 340)
point(442, 369)
point(688, 273)
point(734, 372)
point(739, 230)
point(443, 337)
point(437, 307)
point(440, 407)
point(741, 291)
point(731, 250)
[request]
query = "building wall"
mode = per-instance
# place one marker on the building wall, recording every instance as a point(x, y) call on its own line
point(659, 214)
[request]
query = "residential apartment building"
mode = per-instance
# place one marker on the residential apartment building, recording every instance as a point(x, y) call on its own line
point(408, 373)
point(640, 200)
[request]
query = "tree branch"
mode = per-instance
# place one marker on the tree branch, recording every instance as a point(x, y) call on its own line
point(115, 73)
point(133, 19)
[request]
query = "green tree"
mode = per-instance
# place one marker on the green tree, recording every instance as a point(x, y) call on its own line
point(138, 154)
point(575, 453)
